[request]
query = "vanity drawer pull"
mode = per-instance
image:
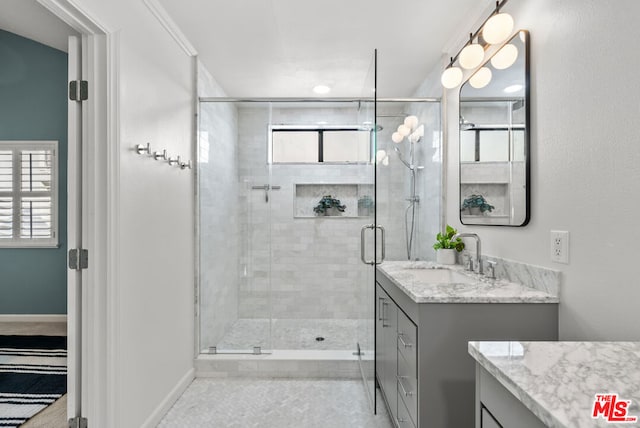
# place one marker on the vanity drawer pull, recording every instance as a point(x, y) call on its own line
point(404, 391)
point(405, 344)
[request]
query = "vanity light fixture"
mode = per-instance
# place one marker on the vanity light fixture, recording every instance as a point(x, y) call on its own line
point(495, 29)
point(471, 55)
point(404, 130)
point(451, 76)
point(397, 138)
point(411, 121)
point(505, 57)
point(481, 78)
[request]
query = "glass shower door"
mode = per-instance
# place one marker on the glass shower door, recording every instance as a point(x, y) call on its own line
point(371, 240)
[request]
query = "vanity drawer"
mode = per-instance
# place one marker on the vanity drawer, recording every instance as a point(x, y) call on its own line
point(407, 341)
point(404, 418)
point(407, 387)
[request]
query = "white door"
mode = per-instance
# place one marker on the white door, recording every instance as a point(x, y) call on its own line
point(74, 237)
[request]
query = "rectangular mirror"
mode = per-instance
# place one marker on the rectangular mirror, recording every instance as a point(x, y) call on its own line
point(494, 139)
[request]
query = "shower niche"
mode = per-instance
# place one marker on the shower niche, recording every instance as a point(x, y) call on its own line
point(356, 198)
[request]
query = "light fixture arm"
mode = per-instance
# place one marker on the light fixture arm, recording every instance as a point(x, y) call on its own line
point(499, 5)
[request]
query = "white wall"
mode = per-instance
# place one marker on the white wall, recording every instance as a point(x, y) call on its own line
point(155, 334)
point(585, 152)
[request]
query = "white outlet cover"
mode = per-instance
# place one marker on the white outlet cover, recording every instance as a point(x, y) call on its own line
point(559, 241)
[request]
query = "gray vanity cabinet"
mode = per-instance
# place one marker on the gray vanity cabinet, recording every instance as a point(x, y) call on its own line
point(423, 367)
point(386, 355)
point(497, 407)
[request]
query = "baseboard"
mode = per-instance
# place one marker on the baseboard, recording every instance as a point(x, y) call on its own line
point(154, 419)
point(33, 318)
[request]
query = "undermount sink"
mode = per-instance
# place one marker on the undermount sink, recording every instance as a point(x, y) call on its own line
point(441, 276)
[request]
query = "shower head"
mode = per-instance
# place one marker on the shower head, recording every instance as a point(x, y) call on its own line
point(397, 150)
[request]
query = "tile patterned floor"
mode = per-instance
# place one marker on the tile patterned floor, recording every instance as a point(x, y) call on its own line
point(244, 403)
point(339, 334)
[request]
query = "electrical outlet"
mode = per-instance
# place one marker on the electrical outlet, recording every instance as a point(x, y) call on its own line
point(560, 246)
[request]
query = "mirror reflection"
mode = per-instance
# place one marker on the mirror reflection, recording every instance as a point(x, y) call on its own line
point(494, 139)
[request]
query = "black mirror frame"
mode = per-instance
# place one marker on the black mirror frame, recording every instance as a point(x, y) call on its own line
point(527, 136)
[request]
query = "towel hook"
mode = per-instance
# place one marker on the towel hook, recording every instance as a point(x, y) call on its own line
point(143, 149)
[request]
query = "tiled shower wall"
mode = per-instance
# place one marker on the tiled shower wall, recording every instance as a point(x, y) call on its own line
point(257, 259)
point(315, 269)
point(394, 180)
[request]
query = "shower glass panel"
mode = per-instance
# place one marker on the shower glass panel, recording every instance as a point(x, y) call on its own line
point(409, 178)
point(235, 190)
point(371, 242)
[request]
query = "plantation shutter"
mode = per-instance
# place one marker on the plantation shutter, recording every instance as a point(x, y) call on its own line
point(28, 193)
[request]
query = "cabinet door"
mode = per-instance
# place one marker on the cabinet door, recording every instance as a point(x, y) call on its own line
point(386, 348)
point(390, 340)
point(381, 296)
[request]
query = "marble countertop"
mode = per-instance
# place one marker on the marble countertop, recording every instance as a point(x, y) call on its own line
point(481, 289)
point(558, 381)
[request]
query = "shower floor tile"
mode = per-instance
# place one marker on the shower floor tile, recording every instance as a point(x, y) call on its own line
point(243, 403)
point(338, 334)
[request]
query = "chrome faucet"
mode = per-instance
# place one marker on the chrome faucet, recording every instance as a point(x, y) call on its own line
point(478, 247)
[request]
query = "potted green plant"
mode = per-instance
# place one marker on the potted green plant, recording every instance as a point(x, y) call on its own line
point(446, 248)
point(329, 206)
point(476, 205)
point(365, 206)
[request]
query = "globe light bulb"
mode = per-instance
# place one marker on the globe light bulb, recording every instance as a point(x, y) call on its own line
point(498, 28)
point(505, 57)
point(404, 130)
point(397, 138)
point(471, 56)
point(481, 78)
point(380, 156)
point(411, 122)
point(451, 77)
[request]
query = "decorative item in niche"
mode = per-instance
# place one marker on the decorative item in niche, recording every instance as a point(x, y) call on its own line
point(476, 205)
point(329, 206)
point(365, 206)
point(446, 248)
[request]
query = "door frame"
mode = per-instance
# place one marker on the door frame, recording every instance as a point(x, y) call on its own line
point(99, 200)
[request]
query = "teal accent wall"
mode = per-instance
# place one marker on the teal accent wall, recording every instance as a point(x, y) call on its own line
point(33, 106)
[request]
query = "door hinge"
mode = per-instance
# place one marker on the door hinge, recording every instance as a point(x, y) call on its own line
point(78, 259)
point(78, 90)
point(78, 422)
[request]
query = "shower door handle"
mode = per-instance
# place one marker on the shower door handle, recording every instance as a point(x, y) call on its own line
point(362, 246)
point(382, 243)
point(362, 243)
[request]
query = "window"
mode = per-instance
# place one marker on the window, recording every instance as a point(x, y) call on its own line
point(492, 145)
point(348, 145)
point(28, 194)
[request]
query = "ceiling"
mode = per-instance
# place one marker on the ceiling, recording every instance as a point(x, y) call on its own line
point(283, 48)
point(27, 18)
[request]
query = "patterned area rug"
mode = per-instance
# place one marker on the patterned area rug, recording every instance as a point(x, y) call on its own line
point(33, 374)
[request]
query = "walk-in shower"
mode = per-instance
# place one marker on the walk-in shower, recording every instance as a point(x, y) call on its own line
point(277, 273)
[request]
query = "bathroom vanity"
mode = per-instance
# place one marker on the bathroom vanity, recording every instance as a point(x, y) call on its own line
point(555, 384)
point(425, 317)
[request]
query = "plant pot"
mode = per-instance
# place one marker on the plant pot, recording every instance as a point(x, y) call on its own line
point(364, 211)
point(475, 211)
point(446, 257)
point(330, 212)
